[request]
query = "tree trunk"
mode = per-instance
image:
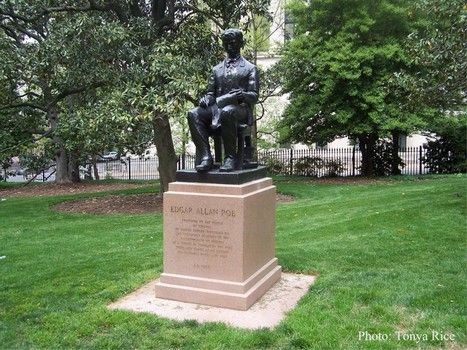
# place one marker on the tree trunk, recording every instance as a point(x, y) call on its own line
point(73, 168)
point(61, 167)
point(94, 167)
point(367, 145)
point(165, 149)
point(395, 154)
point(66, 166)
point(61, 157)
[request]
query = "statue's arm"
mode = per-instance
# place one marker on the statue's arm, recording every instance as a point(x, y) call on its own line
point(211, 93)
point(250, 96)
point(210, 97)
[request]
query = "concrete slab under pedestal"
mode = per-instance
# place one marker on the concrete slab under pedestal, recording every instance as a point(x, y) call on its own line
point(267, 312)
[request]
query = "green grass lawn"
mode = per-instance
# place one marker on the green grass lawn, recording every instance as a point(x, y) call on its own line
point(390, 257)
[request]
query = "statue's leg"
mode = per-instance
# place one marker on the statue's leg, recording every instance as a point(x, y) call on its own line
point(199, 121)
point(230, 117)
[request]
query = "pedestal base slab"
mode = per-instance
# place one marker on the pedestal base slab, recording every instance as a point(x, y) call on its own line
point(233, 295)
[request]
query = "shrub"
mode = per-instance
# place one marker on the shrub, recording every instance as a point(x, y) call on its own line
point(383, 159)
point(447, 154)
point(273, 165)
point(316, 166)
point(442, 156)
point(308, 166)
point(334, 168)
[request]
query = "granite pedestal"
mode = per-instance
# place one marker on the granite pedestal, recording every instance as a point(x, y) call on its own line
point(219, 243)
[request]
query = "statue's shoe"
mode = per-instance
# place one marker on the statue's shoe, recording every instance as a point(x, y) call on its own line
point(228, 166)
point(205, 165)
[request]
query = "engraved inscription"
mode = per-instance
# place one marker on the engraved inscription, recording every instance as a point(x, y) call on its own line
point(202, 238)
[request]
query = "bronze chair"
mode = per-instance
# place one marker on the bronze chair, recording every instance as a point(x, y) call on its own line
point(244, 149)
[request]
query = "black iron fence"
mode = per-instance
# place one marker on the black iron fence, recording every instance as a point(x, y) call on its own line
point(317, 162)
point(136, 168)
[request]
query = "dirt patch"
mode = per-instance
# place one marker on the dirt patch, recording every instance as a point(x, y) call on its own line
point(284, 198)
point(132, 204)
point(50, 189)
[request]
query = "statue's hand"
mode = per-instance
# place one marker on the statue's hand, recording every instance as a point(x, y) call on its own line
point(204, 102)
point(239, 94)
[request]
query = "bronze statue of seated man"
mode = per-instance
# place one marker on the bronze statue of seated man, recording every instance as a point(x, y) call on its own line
point(232, 92)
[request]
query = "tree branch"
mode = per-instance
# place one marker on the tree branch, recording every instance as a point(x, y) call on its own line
point(77, 90)
point(22, 30)
point(201, 12)
point(24, 104)
point(34, 139)
point(92, 6)
point(13, 15)
point(29, 94)
point(12, 34)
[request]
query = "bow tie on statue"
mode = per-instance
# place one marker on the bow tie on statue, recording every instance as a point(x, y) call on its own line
point(232, 62)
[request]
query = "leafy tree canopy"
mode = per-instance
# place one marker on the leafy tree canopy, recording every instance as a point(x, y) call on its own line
point(343, 72)
point(337, 68)
point(437, 47)
point(105, 74)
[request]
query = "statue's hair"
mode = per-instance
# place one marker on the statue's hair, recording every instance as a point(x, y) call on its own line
point(232, 33)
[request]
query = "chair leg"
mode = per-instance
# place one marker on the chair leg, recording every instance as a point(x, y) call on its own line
point(248, 152)
point(240, 150)
point(217, 148)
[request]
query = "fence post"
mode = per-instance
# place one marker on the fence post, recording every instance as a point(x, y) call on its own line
point(183, 160)
point(353, 161)
point(129, 168)
point(420, 155)
point(291, 161)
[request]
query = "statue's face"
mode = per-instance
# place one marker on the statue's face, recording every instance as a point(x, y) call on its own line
point(232, 46)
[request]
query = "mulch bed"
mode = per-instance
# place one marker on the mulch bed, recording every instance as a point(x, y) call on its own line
point(129, 204)
point(132, 204)
point(284, 198)
point(51, 189)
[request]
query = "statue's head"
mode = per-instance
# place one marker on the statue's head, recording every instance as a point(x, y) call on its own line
point(232, 40)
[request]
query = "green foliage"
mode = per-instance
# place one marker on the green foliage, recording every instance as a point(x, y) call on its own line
point(257, 35)
point(317, 166)
point(96, 75)
point(384, 161)
point(230, 13)
point(308, 166)
point(448, 152)
point(338, 68)
point(334, 168)
point(18, 127)
point(437, 49)
point(273, 165)
point(40, 158)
